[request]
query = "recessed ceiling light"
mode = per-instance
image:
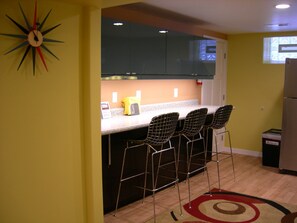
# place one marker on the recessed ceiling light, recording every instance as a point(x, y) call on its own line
point(118, 24)
point(163, 31)
point(282, 6)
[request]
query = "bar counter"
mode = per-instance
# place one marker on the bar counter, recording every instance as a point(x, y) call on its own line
point(121, 123)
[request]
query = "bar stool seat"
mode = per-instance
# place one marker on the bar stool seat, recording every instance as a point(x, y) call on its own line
point(157, 142)
point(218, 125)
point(195, 157)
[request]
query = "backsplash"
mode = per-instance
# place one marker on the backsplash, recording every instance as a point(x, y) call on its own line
point(158, 106)
point(151, 91)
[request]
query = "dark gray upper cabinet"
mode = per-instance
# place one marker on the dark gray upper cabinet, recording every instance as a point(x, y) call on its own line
point(132, 49)
point(179, 59)
point(190, 57)
point(115, 49)
point(140, 51)
point(147, 50)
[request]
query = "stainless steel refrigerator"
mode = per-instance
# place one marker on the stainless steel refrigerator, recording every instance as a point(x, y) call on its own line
point(288, 149)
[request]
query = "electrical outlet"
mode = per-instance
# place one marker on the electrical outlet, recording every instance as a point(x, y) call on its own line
point(175, 92)
point(138, 94)
point(114, 97)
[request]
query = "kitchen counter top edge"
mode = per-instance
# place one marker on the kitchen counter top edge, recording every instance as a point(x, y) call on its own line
point(120, 123)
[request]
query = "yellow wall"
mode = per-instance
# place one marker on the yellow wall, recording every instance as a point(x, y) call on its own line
point(50, 152)
point(254, 88)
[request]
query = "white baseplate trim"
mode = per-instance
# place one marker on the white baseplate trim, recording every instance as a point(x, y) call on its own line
point(244, 152)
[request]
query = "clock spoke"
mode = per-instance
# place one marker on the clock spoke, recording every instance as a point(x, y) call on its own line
point(25, 18)
point(41, 57)
point(17, 47)
point(20, 36)
point(50, 29)
point(52, 40)
point(24, 30)
point(44, 47)
point(24, 56)
point(42, 23)
point(35, 15)
point(33, 59)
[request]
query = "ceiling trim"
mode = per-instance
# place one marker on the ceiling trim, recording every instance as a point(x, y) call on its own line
point(153, 16)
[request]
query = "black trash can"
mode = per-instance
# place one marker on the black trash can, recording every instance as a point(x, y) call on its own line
point(271, 141)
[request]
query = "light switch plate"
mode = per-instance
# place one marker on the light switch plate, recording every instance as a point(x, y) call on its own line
point(138, 94)
point(175, 92)
point(114, 97)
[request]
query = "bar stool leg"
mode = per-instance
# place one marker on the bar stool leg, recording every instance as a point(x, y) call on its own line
point(214, 154)
point(231, 152)
point(217, 157)
point(189, 159)
point(178, 152)
point(207, 175)
point(205, 163)
point(121, 179)
point(146, 172)
point(217, 162)
point(177, 181)
point(189, 167)
point(155, 177)
point(205, 167)
point(154, 186)
point(176, 163)
point(158, 169)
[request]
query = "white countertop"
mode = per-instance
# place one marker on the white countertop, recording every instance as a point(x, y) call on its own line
point(121, 123)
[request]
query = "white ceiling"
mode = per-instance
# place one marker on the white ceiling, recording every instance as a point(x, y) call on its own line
point(235, 16)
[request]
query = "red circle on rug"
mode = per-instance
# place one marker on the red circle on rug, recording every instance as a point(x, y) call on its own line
point(194, 210)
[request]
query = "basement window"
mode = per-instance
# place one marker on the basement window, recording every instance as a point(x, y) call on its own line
point(277, 49)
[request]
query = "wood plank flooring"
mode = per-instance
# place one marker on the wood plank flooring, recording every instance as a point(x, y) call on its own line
point(251, 178)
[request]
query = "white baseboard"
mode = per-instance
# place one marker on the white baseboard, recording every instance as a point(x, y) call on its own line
point(245, 152)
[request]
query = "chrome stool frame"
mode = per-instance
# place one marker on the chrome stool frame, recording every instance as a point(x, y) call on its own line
point(191, 131)
point(218, 125)
point(160, 131)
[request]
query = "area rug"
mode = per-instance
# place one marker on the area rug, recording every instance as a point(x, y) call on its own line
point(224, 207)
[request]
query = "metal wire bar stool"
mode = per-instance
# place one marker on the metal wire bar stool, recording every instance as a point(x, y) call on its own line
point(157, 141)
point(191, 131)
point(218, 125)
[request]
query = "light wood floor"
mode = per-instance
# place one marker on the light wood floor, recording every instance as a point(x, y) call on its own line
point(251, 178)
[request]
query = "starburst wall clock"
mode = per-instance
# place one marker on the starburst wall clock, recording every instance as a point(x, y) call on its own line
point(33, 38)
